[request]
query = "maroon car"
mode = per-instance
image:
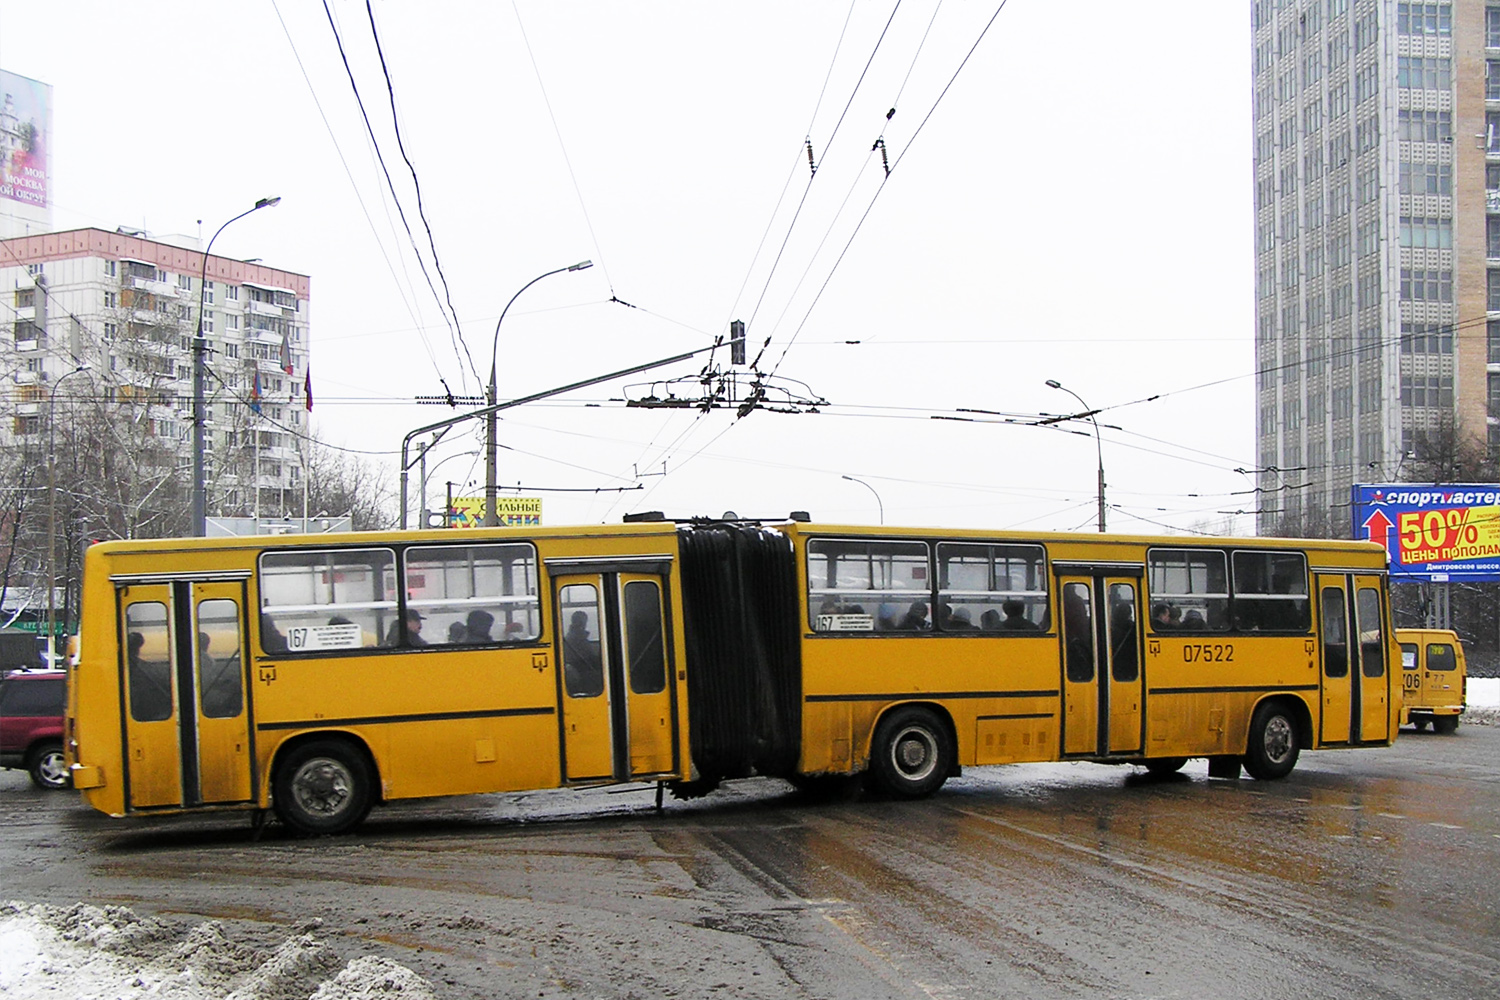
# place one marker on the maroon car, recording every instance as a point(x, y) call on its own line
point(31, 725)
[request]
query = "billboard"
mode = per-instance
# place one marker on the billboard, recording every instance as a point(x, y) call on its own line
point(513, 512)
point(1434, 532)
point(25, 139)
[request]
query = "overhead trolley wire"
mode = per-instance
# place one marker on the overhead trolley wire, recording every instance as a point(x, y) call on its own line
point(451, 321)
point(364, 209)
point(874, 197)
point(416, 185)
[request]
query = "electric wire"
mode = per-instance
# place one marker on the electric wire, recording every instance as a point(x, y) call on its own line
point(402, 288)
point(416, 184)
point(451, 321)
point(572, 175)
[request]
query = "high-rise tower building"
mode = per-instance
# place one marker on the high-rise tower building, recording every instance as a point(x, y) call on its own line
point(1377, 242)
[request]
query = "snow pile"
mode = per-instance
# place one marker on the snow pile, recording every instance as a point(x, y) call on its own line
point(92, 951)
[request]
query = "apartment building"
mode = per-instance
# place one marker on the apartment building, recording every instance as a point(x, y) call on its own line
point(119, 310)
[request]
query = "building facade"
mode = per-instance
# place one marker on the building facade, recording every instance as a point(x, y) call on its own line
point(1377, 242)
point(115, 313)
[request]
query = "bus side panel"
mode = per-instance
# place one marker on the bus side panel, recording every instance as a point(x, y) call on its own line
point(1203, 687)
point(479, 721)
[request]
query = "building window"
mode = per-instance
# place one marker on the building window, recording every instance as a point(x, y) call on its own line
point(1429, 234)
point(232, 292)
point(1426, 178)
point(1492, 27)
point(1492, 336)
point(1424, 286)
point(1424, 73)
point(1428, 338)
point(111, 300)
point(1424, 18)
point(1492, 291)
point(1424, 126)
point(184, 282)
point(111, 269)
point(208, 292)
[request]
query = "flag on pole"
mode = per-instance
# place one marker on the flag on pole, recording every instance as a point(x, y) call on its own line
point(255, 393)
point(307, 388)
point(286, 354)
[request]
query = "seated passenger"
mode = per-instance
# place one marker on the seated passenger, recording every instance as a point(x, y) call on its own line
point(1193, 621)
point(1015, 617)
point(959, 621)
point(477, 626)
point(915, 618)
point(456, 632)
point(990, 621)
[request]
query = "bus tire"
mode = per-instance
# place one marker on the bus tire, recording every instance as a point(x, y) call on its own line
point(323, 787)
point(912, 753)
point(48, 767)
point(1164, 765)
point(1272, 749)
point(1445, 724)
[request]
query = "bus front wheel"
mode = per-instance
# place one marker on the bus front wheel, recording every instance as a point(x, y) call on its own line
point(1272, 750)
point(912, 753)
point(323, 787)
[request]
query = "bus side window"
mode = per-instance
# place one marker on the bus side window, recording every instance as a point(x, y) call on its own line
point(1335, 642)
point(1078, 624)
point(148, 656)
point(1371, 633)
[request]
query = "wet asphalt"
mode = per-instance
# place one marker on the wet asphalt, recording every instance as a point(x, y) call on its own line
point(1370, 873)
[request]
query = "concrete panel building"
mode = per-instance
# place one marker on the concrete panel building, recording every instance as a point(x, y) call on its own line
point(123, 307)
point(1377, 242)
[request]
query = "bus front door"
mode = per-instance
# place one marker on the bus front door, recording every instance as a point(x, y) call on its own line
point(1103, 689)
point(187, 729)
point(617, 692)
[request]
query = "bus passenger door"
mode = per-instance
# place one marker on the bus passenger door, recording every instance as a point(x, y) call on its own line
point(187, 728)
point(583, 654)
point(1340, 694)
point(1085, 700)
point(617, 697)
point(1373, 676)
point(222, 717)
point(153, 764)
point(1126, 686)
point(647, 677)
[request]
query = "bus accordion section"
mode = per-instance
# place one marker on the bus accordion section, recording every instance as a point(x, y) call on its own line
point(320, 676)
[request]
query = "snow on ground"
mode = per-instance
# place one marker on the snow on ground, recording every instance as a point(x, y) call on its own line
point(1483, 692)
point(108, 953)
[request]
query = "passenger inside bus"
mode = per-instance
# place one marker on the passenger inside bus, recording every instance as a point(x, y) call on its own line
point(915, 619)
point(583, 667)
point(1015, 617)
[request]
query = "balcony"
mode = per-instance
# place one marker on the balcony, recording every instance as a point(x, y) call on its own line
point(28, 409)
point(162, 288)
point(28, 378)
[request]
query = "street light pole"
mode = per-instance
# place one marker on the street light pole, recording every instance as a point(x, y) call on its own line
point(200, 371)
point(491, 519)
point(52, 516)
point(872, 490)
point(1092, 414)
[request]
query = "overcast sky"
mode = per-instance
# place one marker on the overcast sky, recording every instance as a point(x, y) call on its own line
point(1073, 202)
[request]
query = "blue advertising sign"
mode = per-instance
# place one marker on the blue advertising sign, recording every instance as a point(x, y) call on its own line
point(1437, 532)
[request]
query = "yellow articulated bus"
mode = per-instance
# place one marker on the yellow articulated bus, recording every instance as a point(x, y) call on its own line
point(320, 675)
point(1434, 678)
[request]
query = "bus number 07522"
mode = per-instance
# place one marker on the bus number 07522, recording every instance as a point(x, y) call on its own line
point(1208, 652)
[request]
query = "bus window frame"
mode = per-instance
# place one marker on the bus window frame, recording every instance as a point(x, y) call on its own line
point(400, 604)
point(1231, 596)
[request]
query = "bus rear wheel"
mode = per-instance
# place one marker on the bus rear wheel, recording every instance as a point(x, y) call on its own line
point(1446, 724)
point(912, 753)
point(1272, 749)
point(323, 787)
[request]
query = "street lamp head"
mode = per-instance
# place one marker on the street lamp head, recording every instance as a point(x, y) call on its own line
point(582, 265)
point(268, 202)
point(1053, 383)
